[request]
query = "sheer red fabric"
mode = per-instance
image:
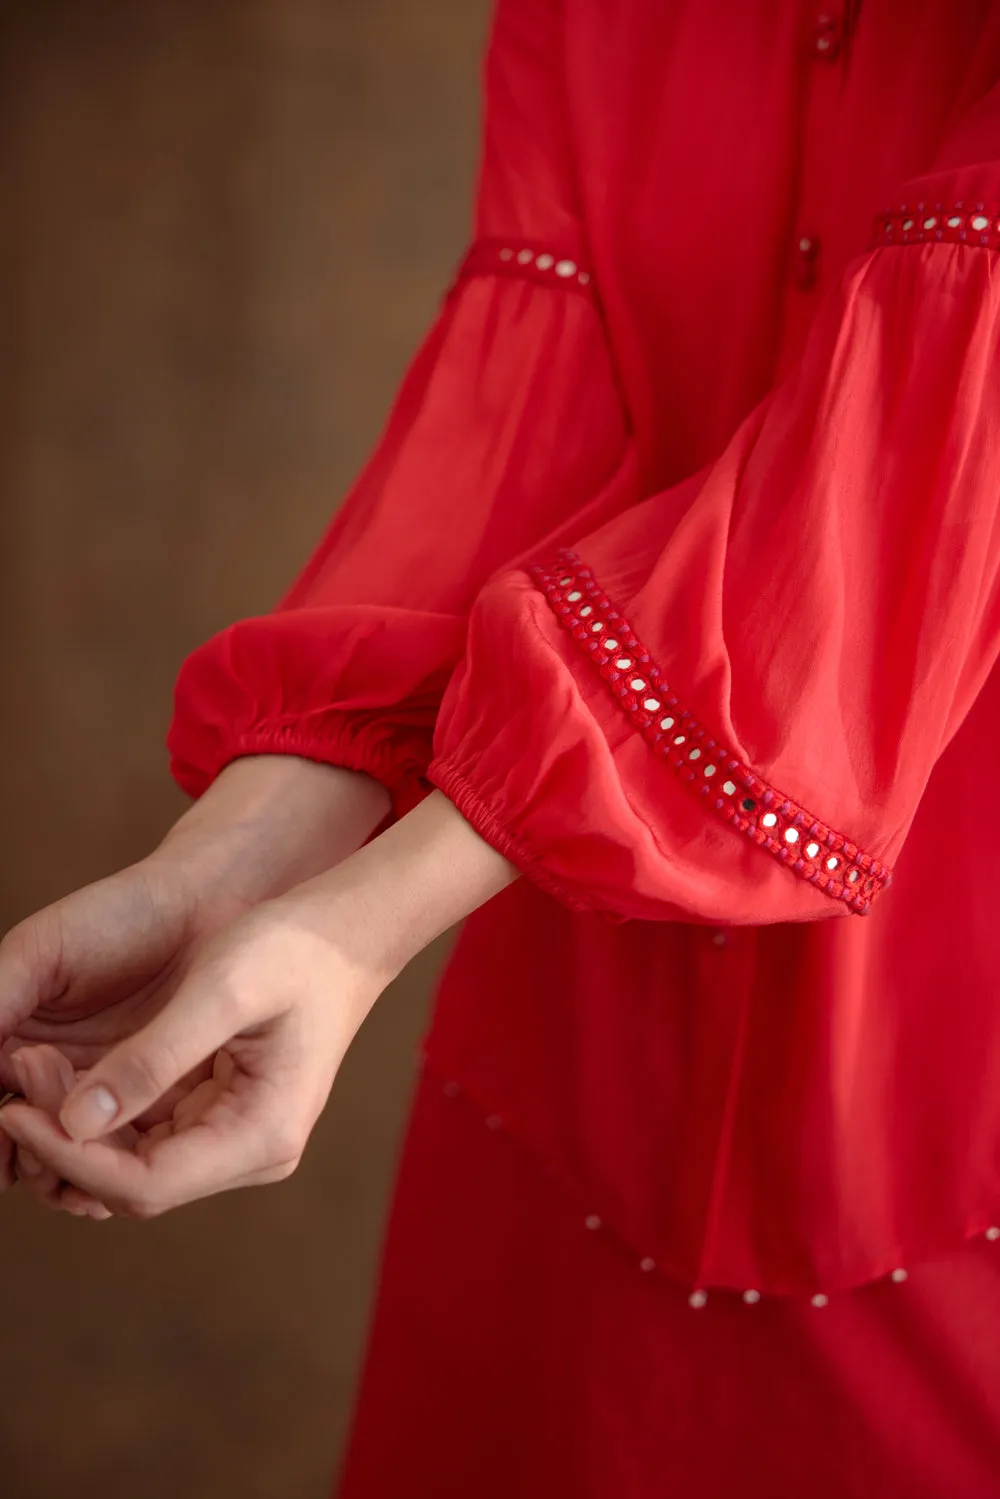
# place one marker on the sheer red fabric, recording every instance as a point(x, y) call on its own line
point(678, 570)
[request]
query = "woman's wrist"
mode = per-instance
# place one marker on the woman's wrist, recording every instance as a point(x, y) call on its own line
point(269, 822)
point(384, 904)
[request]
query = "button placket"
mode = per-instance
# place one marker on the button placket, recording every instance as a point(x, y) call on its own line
point(824, 36)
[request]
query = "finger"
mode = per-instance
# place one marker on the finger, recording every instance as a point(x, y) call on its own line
point(246, 1136)
point(195, 1105)
point(242, 1139)
point(9, 1081)
point(41, 1080)
point(83, 1205)
point(53, 1077)
point(158, 1132)
point(8, 1176)
point(206, 1012)
point(94, 1169)
point(47, 1074)
point(207, 1158)
point(165, 1106)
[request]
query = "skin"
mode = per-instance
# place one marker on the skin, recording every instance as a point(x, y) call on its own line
point(209, 993)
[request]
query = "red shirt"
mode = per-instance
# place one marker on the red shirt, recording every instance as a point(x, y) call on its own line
point(677, 570)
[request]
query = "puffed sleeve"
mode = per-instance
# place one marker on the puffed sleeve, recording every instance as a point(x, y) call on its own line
point(724, 703)
point(507, 424)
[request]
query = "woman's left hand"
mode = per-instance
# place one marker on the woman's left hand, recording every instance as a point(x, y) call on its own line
point(275, 999)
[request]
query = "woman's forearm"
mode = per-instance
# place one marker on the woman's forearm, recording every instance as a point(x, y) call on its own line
point(386, 902)
point(269, 822)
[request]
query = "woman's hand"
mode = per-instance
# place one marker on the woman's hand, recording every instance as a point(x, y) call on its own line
point(263, 1016)
point(253, 1035)
point(93, 969)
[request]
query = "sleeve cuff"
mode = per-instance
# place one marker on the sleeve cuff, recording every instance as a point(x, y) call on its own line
point(459, 790)
point(397, 761)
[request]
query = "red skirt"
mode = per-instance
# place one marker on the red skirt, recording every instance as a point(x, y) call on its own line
point(521, 1351)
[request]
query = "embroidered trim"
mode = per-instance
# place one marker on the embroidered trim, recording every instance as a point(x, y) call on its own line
point(593, 1222)
point(923, 223)
point(804, 845)
point(532, 262)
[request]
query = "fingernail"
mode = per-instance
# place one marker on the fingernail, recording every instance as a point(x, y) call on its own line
point(28, 1163)
point(88, 1114)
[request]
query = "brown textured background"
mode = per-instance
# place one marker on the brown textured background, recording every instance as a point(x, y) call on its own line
point(225, 225)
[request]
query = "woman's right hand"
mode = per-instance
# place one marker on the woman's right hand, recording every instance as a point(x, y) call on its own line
point(93, 968)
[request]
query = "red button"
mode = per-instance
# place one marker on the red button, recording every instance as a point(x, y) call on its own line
point(806, 255)
point(827, 36)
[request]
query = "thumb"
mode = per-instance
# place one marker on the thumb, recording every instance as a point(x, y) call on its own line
point(196, 1023)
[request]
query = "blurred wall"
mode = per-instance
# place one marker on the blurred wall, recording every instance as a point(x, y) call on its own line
point(225, 225)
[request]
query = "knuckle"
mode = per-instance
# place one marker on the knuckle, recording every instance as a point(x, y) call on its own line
point(284, 1150)
point(142, 1206)
point(284, 1169)
point(236, 996)
point(279, 1171)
